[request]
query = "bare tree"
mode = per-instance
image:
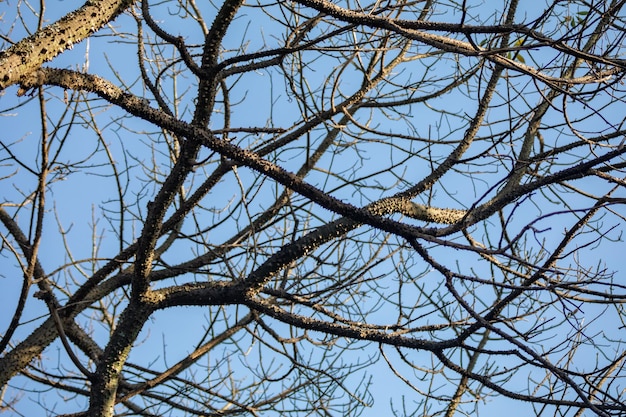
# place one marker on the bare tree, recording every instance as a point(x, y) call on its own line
point(344, 195)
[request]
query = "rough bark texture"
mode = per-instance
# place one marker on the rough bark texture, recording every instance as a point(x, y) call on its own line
point(283, 170)
point(30, 53)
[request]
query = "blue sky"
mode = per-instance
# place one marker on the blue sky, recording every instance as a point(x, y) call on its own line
point(82, 198)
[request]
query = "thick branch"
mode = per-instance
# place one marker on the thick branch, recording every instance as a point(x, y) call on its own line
point(108, 372)
point(141, 108)
point(30, 53)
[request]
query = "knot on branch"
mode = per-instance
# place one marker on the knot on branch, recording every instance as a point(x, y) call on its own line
point(31, 81)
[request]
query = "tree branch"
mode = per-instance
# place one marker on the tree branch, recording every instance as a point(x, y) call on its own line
point(30, 53)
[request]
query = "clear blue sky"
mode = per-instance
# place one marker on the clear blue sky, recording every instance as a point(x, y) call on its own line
point(78, 203)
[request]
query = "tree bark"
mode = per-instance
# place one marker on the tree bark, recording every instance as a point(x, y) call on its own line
point(30, 53)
